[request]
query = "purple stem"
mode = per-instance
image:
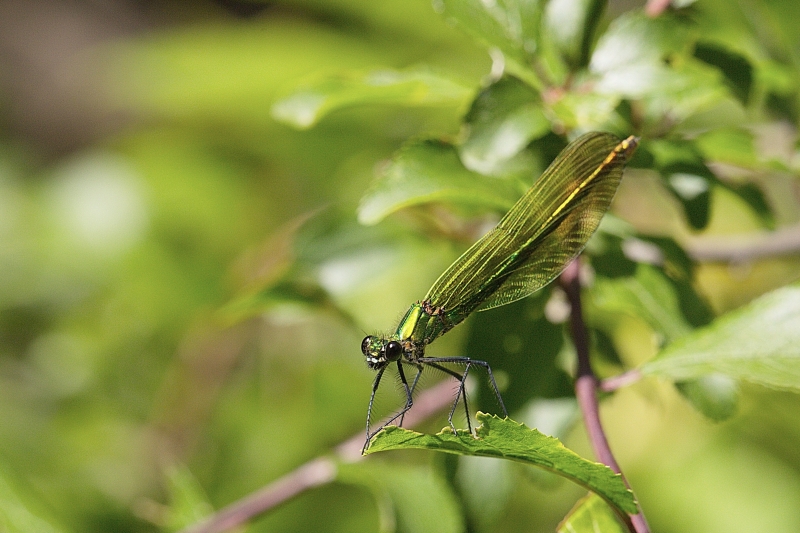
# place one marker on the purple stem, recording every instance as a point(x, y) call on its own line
point(622, 380)
point(586, 387)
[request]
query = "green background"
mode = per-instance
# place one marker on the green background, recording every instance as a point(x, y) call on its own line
point(145, 186)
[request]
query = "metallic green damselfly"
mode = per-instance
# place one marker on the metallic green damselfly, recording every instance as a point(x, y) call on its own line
point(531, 245)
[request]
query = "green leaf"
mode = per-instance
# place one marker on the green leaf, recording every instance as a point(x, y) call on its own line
point(570, 25)
point(504, 118)
point(679, 268)
point(588, 110)
point(511, 26)
point(737, 70)
point(714, 395)
point(759, 342)
point(649, 295)
point(669, 304)
point(693, 190)
point(188, 503)
point(755, 198)
point(629, 55)
point(667, 152)
point(308, 103)
point(591, 515)
point(414, 499)
point(687, 177)
point(686, 88)
point(644, 58)
point(16, 516)
point(504, 438)
point(735, 146)
point(430, 171)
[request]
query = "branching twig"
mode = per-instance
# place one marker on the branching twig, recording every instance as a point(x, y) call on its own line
point(586, 387)
point(746, 247)
point(621, 380)
point(316, 472)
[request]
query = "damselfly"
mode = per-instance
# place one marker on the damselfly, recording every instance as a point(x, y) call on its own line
point(545, 230)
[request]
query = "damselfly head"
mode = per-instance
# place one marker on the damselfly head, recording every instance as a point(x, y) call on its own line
point(380, 351)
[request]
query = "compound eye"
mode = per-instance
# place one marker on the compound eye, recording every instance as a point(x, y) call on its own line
point(365, 344)
point(393, 351)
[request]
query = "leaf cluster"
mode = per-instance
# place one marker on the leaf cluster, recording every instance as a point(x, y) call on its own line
point(559, 69)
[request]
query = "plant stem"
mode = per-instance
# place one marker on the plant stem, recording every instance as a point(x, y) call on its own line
point(745, 248)
point(314, 473)
point(622, 380)
point(586, 387)
point(318, 471)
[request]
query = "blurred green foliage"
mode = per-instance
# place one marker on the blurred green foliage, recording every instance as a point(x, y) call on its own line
point(185, 280)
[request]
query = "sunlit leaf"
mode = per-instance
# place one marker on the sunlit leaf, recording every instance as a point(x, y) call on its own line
point(570, 24)
point(783, 16)
point(635, 70)
point(666, 152)
point(504, 118)
point(658, 69)
point(507, 439)
point(777, 77)
point(729, 145)
point(312, 100)
point(588, 111)
point(759, 342)
point(511, 26)
point(685, 89)
point(591, 515)
point(431, 171)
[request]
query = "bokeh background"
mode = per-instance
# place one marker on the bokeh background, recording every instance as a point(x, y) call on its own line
point(144, 183)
